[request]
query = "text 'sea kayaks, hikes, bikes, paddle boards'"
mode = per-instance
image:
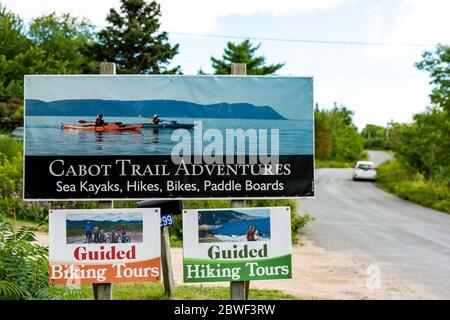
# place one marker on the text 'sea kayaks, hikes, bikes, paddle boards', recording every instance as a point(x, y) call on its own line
point(107, 127)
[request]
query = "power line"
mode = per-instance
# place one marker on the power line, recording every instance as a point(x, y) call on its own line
point(324, 42)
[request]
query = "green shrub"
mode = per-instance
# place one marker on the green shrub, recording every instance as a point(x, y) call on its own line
point(24, 267)
point(10, 148)
point(412, 186)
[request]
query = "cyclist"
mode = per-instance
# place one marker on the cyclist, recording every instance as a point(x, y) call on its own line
point(88, 232)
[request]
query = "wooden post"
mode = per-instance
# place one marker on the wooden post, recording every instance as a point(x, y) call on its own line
point(166, 262)
point(239, 289)
point(103, 291)
point(107, 68)
point(238, 69)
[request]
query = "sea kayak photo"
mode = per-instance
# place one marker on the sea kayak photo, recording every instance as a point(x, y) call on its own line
point(168, 125)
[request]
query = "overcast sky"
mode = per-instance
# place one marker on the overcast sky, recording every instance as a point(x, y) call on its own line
point(380, 83)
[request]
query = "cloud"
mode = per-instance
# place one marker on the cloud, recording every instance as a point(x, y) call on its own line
point(420, 22)
point(423, 21)
point(196, 16)
point(201, 16)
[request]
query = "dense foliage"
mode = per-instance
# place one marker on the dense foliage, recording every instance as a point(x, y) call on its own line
point(421, 171)
point(336, 137)
point(244, 52)
point(423, 146)
point(375, 137)
point(24, 266)
point(437, 64)
point(51, 45)
point(409, 185)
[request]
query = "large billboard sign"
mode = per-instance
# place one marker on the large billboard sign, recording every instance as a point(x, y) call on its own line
point(237, 244)
point(104, 246)
point(134, 137)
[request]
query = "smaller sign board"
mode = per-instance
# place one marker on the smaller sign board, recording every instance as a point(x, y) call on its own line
point(166, 220)
point(104, 246)
point(237, 244)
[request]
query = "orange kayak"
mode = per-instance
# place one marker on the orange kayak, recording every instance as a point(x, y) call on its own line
point(108, 127)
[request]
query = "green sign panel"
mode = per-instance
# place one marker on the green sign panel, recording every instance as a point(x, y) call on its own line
point(237, 244)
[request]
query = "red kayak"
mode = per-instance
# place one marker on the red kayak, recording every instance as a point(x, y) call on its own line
point(108, 127)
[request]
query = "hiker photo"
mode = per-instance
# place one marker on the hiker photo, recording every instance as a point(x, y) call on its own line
point(104, 228)
point(234, 225)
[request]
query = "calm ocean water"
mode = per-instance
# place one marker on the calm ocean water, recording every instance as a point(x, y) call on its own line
point(44, 136)
point(237, 229)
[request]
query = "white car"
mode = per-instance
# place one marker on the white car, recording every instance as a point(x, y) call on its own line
point(365, 170)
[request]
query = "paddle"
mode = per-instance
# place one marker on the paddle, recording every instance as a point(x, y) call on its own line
point(92, 122)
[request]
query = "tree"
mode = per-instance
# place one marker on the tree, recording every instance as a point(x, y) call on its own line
point(375, 137)
point(53, 45)
point(423, 146)
point(65, 38)
point(438, 65)
point(133, 40)
point(13, 41)
point(12, 37)
point(336, 137)
point(322, 136)
point(243, 52)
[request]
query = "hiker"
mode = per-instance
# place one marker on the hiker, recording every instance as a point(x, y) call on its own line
point(250, 233)
point(99, 121)
point(256, 234)
point(156, 119)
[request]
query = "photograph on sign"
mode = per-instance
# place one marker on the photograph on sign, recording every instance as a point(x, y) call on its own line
point(233, 226)
point(104, 246)
point(133, 137)
point(237, 244)
point(119, 227)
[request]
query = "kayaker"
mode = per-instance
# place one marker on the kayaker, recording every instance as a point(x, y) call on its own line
point(155, 119)
point(99, 121)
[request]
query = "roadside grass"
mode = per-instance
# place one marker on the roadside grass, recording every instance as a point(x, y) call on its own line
point(33, 225)
point(394, 178)
point(155, 291)
point(321, 164)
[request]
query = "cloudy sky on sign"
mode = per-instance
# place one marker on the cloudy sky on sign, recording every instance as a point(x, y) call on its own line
point(110, 216)
point(368, 65)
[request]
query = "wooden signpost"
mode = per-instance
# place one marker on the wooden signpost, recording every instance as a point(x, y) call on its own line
point(166, 262)
point(239, 289)
point(103, 291)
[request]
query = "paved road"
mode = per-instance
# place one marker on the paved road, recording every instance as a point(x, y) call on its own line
point(409, 243)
